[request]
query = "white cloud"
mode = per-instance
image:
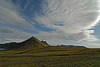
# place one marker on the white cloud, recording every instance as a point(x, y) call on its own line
point(9, 14)
point(76, 18)
point(92, 45)
point(72, 20)
point(13, 35)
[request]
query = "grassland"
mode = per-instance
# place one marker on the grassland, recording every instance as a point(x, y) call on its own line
point(51, 56)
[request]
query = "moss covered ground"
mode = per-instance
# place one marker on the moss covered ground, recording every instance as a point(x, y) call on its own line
point(51, 56)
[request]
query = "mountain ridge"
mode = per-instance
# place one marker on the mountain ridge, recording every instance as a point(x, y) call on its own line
point(30, 43)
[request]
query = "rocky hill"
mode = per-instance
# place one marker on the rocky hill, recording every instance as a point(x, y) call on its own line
point(30, 43)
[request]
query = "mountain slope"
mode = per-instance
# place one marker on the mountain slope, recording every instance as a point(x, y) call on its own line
point(30, 43)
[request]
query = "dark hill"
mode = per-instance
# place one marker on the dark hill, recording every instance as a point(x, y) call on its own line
point(30, 43)
point(72, 46)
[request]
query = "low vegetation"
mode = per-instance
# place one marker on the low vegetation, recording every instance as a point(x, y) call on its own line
point(51, 56)
point(35, 53)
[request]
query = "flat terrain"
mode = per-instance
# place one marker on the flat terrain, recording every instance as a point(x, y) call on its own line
point(51, 56)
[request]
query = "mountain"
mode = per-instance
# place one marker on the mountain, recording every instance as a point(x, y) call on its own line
point(72, 46)
point(30, 43)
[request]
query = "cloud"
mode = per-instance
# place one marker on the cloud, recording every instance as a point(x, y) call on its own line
point(72, 20)
point(68, 21)
point(9, 14)
point(12, 23)
point(6, 31)
point(13, 35)
point(92, 45)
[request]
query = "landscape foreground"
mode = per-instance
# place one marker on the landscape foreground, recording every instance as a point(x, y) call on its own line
point(55, 56)
point(50, 56)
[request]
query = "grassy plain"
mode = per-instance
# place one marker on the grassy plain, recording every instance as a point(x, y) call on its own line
point(51, 56)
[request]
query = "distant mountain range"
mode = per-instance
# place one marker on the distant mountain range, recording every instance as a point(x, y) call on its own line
point(30, 43)
point(73, 46)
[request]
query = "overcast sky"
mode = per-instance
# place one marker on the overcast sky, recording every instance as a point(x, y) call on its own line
point(74, 22)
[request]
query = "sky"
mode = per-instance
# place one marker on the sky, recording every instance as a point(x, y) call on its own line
point(68, 22)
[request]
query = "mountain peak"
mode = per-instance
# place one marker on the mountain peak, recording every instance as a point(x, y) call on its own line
point(33, 42)
point(30, 43)
point(32, 39)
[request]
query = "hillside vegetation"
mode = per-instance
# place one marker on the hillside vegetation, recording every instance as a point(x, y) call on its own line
point(30, 43)
point(55, 56)
point(34, 53)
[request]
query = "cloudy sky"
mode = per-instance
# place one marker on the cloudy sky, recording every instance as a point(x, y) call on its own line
point(74, 22)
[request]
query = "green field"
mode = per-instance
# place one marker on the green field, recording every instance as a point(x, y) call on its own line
point(51, 56)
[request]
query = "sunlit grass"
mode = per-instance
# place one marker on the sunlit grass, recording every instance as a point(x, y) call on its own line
point(51, 57)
